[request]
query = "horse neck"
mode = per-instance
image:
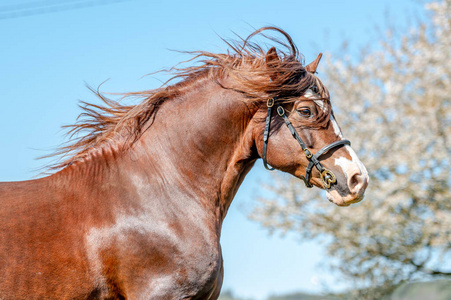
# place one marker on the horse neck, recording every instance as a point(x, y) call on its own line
point(197, 151)
point(201, 145)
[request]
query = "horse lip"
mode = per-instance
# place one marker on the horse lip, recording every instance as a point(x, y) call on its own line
point(344, 201)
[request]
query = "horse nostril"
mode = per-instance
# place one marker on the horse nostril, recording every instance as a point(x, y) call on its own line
point(357, 182)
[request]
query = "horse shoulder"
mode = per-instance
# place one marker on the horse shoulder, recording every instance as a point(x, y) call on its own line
point(156, 252)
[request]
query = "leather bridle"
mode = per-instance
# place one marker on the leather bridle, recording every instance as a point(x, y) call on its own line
point(327, 177)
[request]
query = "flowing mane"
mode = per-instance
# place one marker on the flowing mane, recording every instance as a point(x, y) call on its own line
point(245, 63)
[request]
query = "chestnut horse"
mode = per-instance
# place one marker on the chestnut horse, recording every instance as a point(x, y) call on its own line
point(135, 209)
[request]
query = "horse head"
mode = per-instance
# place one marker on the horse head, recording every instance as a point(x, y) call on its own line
point(301, 135)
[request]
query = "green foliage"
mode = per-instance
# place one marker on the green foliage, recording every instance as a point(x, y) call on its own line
point(228, 295)
point(303, 296)
point(436, 290)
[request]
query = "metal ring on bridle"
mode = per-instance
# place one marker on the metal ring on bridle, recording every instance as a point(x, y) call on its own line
point(328, 178)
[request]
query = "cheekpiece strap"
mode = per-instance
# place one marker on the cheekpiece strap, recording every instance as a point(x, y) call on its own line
point(270, 105)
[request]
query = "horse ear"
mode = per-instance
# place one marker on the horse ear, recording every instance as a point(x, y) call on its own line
point(272, 60)
point(311, 67)
point(271, 57)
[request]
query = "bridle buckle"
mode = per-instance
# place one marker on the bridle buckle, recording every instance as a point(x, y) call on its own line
point(270, 102)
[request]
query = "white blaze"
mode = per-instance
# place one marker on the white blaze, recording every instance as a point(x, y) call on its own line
point(349, 167)
point(311, 95)
point(335, 126)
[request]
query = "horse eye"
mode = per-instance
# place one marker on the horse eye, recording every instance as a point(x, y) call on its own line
point(315, 89)
point(305, 112)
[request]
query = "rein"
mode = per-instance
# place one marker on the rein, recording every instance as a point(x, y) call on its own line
point(327, 177)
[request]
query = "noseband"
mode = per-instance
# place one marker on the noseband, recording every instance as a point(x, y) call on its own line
point(327, 177)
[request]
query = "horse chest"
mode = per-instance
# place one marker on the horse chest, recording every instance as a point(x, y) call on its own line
point(139, 259)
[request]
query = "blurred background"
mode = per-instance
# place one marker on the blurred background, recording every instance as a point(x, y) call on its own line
point(387, 65)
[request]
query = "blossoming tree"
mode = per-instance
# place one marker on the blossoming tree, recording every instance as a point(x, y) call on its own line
point(394, 104)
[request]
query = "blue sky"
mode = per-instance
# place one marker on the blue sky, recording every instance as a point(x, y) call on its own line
point(46, 59)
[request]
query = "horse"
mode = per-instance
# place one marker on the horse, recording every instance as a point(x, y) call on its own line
point(134, 207)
